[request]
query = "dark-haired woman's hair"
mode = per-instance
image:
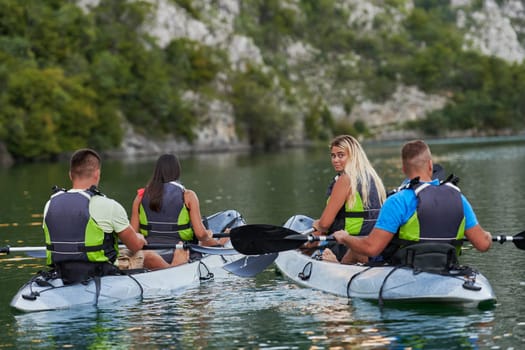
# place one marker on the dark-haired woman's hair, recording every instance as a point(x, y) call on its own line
point(166, 170)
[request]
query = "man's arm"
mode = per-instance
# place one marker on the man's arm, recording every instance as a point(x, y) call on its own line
point(480, 239)
point(133, 240)
point(371, 245)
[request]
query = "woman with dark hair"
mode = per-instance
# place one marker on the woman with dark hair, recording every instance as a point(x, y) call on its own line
point(167, 212)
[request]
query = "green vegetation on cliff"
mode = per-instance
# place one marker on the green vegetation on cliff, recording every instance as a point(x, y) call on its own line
point(69, 78)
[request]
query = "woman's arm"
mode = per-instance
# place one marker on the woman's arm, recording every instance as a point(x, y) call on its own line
point(134, 221)
point(340, 193)
point(203, 235)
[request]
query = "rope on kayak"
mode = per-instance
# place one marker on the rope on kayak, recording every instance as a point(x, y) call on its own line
point(209, 275)
point(352, 278)
point(307, 272)
point(380, 296)
point(138, 284)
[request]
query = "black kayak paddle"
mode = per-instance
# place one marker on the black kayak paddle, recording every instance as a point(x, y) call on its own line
point(517, 239)
point(262, 239)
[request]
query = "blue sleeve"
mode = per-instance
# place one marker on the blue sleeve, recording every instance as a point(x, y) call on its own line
point(396, 210)
point(470, 217)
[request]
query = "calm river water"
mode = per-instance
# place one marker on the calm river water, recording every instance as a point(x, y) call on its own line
point(268, 311)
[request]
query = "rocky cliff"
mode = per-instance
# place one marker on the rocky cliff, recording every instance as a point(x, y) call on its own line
point(494, 28)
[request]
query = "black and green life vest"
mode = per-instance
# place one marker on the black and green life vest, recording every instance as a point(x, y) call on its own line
point(439, 218)
point(172, 223)
point(357, 221)
point(71, 233)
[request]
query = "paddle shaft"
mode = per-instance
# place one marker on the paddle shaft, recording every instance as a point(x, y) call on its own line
point(309, 238)
point(8, 249)
point(503, 239)
point(194, 247)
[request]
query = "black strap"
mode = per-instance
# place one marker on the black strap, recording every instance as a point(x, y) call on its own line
point(93, 190)
point(453, 179)
point(98, 286)
point(56, 189)
point(367, 214)
point(79, 248)
point(166, 227)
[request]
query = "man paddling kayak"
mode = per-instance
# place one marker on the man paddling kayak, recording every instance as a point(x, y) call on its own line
point(82, 226)
point(426, 211)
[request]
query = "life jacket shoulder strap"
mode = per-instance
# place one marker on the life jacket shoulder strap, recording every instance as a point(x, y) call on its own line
point(92, 191)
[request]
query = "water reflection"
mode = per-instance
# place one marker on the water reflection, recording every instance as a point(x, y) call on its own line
point(429, 326)
point(264, 314)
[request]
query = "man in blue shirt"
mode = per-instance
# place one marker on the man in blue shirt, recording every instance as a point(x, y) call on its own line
point(424, 212)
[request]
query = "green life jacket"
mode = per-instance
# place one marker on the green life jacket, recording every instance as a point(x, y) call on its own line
point(71, 234)
point(357, 220)
point(439, 218)
point(172, 223)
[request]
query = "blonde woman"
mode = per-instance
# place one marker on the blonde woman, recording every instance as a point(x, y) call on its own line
point(354, 197)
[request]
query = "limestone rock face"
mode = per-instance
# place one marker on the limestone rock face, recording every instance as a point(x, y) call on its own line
point(493, 28)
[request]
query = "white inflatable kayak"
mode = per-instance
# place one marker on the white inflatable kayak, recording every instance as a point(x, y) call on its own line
point(47, 292)
point(465, 286)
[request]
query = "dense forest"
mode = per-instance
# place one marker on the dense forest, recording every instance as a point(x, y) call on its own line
point(69, 78)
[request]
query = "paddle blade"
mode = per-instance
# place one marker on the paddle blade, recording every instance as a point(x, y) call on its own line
point(258, 239)
point(519, 240)
point(249, 266)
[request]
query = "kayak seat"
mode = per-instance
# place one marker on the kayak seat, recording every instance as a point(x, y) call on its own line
point(437, 258)
point(73, 272)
